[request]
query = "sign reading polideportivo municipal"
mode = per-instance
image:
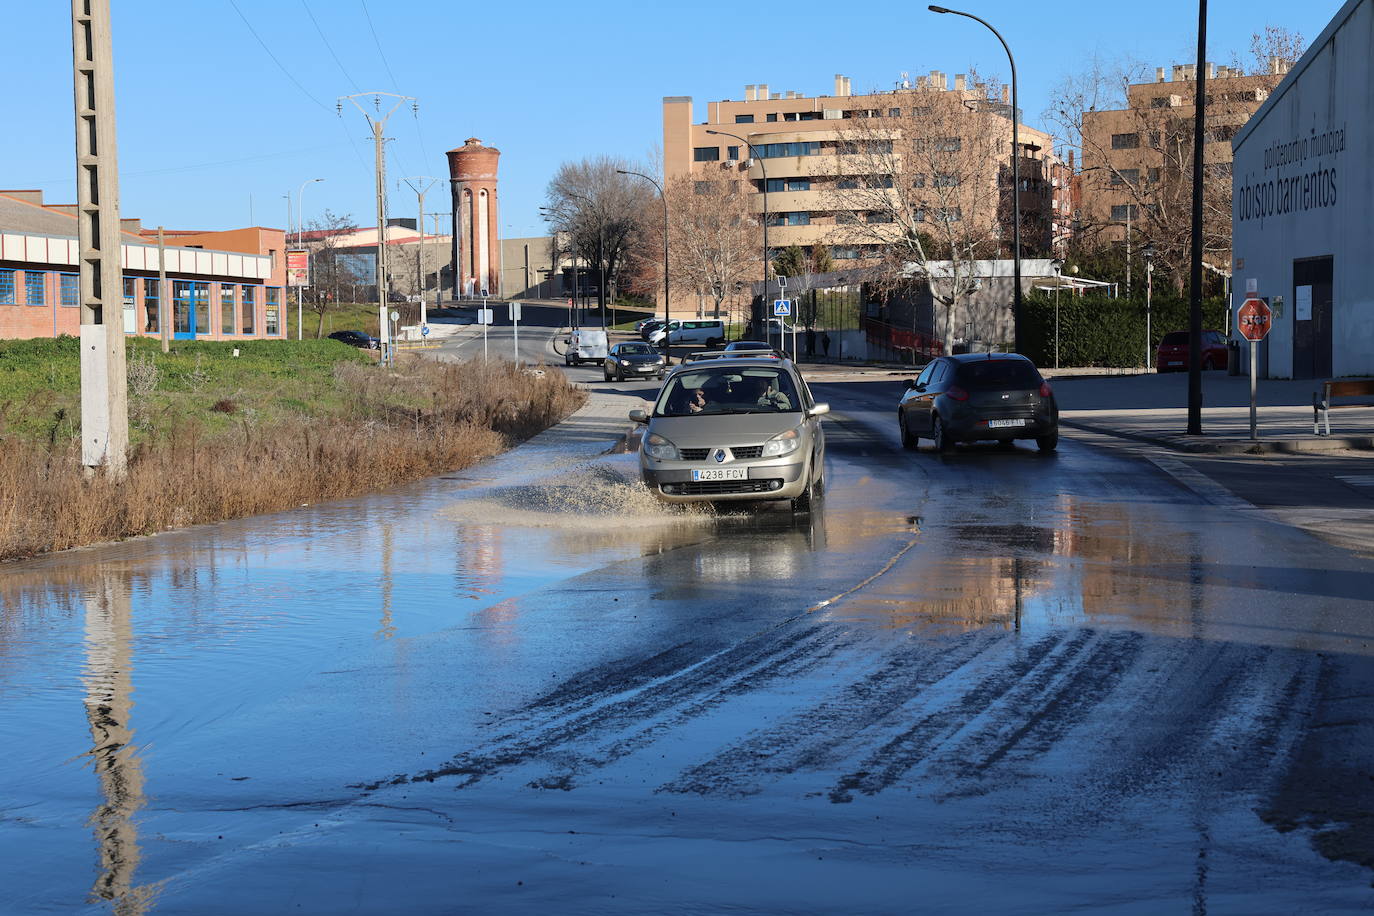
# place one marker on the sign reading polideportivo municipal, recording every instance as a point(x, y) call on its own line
point(298, 267)
point(1299, 174)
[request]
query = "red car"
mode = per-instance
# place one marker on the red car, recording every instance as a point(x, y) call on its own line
point(1172, 355)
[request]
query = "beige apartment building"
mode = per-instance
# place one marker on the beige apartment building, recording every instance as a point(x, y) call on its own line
point(1137, 160)
point(811, 159)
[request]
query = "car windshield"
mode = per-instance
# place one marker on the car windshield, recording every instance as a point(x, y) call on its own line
point(748, 345)
point(997, 374)
point(1175, 339)
point(727, 389)
point(636, 350)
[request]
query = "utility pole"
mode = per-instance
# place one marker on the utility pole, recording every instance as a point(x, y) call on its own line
point(164, 328)
point(420, 191)
point(377, 121)
point(104, 375)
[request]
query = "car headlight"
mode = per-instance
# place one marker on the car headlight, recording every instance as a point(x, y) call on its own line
point(658, 447)
point(624, 362)
point(783, 443)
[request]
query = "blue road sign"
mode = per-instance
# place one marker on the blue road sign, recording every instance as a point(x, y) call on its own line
point(425, 330)
point(782, 307)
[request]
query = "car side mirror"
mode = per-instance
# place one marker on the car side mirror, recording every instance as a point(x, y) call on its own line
point(911, 384)
point(819, 410)
point(639, 415)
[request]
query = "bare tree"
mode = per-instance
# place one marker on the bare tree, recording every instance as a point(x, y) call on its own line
point(330, 267)
point(921, 194)
point(598, 210)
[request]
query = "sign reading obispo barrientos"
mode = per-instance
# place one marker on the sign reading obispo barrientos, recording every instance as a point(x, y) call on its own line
point(1299, 175)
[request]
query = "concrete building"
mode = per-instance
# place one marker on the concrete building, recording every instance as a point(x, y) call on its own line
point(805, 139)
point(472, 170)
point(1137, 161)
point(1303, 206)
point(221, 285)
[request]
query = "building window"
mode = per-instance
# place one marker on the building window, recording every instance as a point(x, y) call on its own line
point(789, 184)
point(130, 305)
point(1154, 175)
point(248, 311)
point(789, 116)
point(771, 117)
point(944, 180)
point(151, 302)
point(847, 184)
point(918, 181)
point(69, 289)
point(706, 154)
point(703, 187)
point(948, 214)
point(272, 326)
point(732, 153)
point(894, 112)
point(226, 308)
point(846, 218)
point(7, 287)
point(877, 216)
point(918, 215)
point(878, 182)
point(795, 218)
point(810, 116)
point(1221, 132)
point(35, 288)
point(846, 252)
point(1123, 212)
point(1125, 176)
point(778, 150)
point(1125, 141)
point(744, 119)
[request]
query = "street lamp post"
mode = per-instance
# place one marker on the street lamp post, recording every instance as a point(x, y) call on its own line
point(1015, 179)
point(1149, 254)
point(667, 351)
point(300, 226)
point(1058, 265)
point(600, 257)
point(763, 170)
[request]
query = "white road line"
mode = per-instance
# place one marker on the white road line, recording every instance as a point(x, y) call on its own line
point(1357, 480)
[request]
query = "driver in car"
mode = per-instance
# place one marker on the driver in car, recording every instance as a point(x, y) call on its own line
point(766, 395)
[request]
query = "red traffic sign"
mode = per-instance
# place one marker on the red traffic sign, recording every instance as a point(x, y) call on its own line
point(1254, 319)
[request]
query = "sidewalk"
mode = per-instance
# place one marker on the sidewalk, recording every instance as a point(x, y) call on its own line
point(1154, 408)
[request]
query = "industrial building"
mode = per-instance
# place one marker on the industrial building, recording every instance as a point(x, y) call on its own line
point(1303, 206)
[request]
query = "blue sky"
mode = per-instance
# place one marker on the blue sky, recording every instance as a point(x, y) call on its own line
point(209, 122)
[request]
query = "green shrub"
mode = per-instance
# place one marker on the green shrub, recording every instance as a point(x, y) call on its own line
point(1095, 330)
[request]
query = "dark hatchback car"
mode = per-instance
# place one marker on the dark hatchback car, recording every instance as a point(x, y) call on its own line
point(979, 396)
point(356, 339)
point(633, 360)
point(1172, 355)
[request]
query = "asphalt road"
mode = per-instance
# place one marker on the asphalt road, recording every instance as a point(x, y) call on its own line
point(996, 680)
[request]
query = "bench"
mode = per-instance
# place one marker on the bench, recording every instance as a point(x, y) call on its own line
point(1321, 404)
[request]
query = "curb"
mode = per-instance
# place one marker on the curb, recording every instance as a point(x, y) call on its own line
point(1234, 446)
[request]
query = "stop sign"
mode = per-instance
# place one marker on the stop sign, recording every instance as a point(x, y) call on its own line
point(1254, 319)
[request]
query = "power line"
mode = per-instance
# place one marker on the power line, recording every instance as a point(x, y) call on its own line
point(279, 64)
point(375, 40)
point(328, 46)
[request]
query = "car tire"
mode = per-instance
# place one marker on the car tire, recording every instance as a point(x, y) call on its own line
point(1048, 442)
point(715, 343)
point(910, 441)
point(807, 499)
point(605, 373)
point(940, 435)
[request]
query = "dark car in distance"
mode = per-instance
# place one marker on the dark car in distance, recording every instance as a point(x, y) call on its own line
point(633, 359)
point(1172, 355)
point(975, 397)
point(356, 339)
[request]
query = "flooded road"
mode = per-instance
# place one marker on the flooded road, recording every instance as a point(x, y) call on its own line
point(996, 679)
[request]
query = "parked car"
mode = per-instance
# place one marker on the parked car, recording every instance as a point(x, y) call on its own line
point(734, 429)
point(633, 359)
point(1172, 355)
point(585, 345)
point(356, 339)
point(979, 396)
point(647, 327)
point(709, 332)
point(642, 323)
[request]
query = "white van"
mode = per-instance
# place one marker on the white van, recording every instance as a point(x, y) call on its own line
point(708, 332)
point(585, 345)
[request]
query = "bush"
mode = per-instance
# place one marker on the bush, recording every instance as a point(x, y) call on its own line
point(1095, 330)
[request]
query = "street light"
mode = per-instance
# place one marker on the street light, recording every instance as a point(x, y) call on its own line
point(1058, 265)
point(600, 256)
point(753, 153)
point(549, 217)
point(1148, 252)
point(1015, 179)
point(300, 226)
point(667, 351)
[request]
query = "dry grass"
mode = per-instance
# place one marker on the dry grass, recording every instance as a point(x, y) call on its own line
point(423, 419)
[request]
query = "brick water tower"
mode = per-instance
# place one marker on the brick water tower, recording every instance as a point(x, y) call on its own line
point(477, 242)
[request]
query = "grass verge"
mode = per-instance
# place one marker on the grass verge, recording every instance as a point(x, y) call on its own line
point(217, 437)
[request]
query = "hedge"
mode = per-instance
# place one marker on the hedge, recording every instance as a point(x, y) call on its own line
point(1095, 330)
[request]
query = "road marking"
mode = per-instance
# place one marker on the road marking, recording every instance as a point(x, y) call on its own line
point(1357, 480)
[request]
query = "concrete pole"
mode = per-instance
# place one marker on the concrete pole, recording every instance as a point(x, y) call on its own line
point(104, 377)
point(384, 327)
point(164, 327)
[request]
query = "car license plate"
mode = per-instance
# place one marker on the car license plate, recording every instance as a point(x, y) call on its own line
point(1175, 362)
point(720, 474)
point(1003, 424)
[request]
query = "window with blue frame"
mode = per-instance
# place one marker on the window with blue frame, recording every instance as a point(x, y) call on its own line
point(789, 184)
point(151, 306)
point(271, 323)
point(69, 290)
point(35, 288)
point(248, 308)
point(7, 287)
point(778, 150)
point(227, 318)
point(795, 218)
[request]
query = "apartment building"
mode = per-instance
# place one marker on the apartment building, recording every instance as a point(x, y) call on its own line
point(810, 158)
point(1137, 160)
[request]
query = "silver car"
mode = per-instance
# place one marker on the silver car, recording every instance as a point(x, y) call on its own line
point(734, 429)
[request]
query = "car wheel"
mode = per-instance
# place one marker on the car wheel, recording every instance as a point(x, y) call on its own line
point(1048, 442)
point(606, 374)
point(807, 498)
point(943, 443)
point(910, 442)
point(715, 343)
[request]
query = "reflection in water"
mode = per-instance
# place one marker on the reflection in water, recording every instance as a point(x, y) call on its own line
point(386, 629)
point(108, 680)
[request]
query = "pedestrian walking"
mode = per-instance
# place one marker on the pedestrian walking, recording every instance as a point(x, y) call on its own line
point(811, 343)
point(825, 343)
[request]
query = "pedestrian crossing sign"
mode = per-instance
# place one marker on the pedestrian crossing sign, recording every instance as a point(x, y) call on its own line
point(782, 307)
